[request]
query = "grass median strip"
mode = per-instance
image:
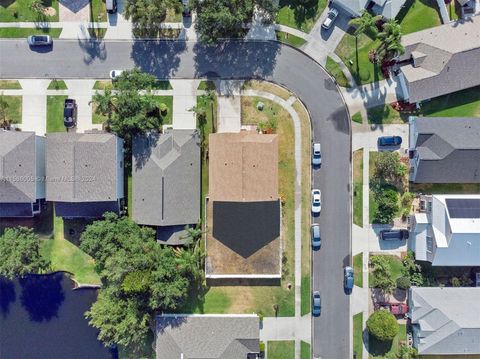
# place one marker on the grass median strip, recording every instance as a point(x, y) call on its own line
point(358, 269)
point(15, 32)
point(10, 85)
point(358, 335)
point(336, 71)
point(304, 350)
point(290, 39)
point(358, 187)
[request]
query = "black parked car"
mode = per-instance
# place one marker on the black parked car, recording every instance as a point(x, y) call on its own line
point(390, 141)
point(70, 113)
point(393, 234)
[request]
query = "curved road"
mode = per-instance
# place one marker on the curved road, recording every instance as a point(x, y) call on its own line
point(268, 60)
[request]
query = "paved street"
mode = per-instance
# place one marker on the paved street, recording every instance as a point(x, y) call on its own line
point(271, 61)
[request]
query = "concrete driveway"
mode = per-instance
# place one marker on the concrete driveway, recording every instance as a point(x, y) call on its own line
point(366, 136)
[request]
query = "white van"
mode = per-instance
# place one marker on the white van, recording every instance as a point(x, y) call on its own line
point(111, 6)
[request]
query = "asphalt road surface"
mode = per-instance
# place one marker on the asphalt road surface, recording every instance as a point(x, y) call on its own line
point(236, 59)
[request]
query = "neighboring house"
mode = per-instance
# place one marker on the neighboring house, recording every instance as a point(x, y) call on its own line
point(389, 9)
point(445, 321)
point(166, 182)
point(447, 233)
point(440, 60)
point(84, 174)
point(243, 211)
point(22, 173)
point(209, 336)
point(444, 150)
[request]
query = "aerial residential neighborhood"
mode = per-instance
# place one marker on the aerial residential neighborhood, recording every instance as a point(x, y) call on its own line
point(214, 179)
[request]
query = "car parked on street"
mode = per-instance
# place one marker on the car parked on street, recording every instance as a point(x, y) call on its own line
point(316, 201)
point(316, 240)
point(386, 141)
point(316, 304)
point(316, 154)
point(111, 6)
point(348, 278)
point(330, 19)
point(70, 113)
point(115, 73)
point(39, 40)
point(394, 234)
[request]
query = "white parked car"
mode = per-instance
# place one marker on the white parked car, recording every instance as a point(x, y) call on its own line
point(331, 16)
point(115, 73)
point(316, 154)
point(316, 201)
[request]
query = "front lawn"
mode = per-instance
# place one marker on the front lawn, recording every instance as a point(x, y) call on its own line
point(354, 53)
point(336, 72)
point(465, 103)
point(19, 10)
point(358, 335)
point(55, 113)
point(167, 100)
point(10, 85)
point(385, 115)
point(290, 39)
point(358, 187)
point(418, 15)
point(282, 349)
point(14, 108)
point(358, 269)
point(394, 263)
point(378, 349)
point(300, 14)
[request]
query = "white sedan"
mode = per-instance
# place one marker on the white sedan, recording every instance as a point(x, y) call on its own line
point(331, 16)
point(115, 73)
point(316, 201)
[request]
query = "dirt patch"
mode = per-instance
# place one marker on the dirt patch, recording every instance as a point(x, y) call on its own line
point(49, 11)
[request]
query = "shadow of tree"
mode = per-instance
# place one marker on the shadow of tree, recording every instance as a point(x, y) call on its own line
point(93, 49)
point(7, 295)
point(302, 10)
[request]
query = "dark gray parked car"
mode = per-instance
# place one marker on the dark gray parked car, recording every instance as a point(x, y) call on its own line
point(316, 304)
point(315, 233)
point(348, 278)
point(394, 234)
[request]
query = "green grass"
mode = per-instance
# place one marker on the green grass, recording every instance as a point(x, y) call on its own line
point(57, 85)
point(396, 267)
point(441, 188)
point(354, 54)
point(102, 84)
point(357, 117)
point(453, 11)
point(385, 114)
point(378, 349)
point(206, 85)
point(465, 103)
point(167, 100)
point(304, 350)
point(129, 195)
point(418, 15)
point(13, 32)
point(65, 256)
point(14, 109)
point(300, 14)
point(162, 85)
point(98, 11)
point(358, 269)
point(358, 187)
point(282, 349)
point(55, 113)
point(19, 10)
point(10, 85)
point(97, 118)
point(305, 294)
point(358, 335)
point(336, 71)
point(373, 206)
point(290, 39)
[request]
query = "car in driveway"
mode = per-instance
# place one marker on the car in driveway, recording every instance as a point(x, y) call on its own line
point(315, 233)
point(348, 278)
point(70, 113)
point(330, 19)
point(39, 40)
point(316, 201)
point(394, 234)
point(186, 12)
point(316, 304)
point(316, 154)
point(389, 141)
point(115, 73)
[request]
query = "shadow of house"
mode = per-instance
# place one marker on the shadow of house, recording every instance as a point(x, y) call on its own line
point(7, 295)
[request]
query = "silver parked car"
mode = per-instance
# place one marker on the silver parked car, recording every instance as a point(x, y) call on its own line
point(348, 278)
point(316, 154)
point(39, 40)
point(316, 201)
point(330, 19)
point(316, 241)
point(316, 304)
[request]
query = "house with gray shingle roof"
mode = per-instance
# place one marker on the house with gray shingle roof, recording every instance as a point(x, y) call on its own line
point(440, 60)
point(445, 321)
point(210, 336)
point(166, 182)
point(389, 9)
point(22, 173)
point(84, 173)
point(444, 150)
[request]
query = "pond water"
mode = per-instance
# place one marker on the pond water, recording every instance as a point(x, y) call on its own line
point(41, 317)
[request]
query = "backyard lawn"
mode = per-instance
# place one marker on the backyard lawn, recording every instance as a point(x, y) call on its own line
point(465, 103)
point(282, 349)
point(354, 53)
point(300, 14)
point(358, 335)
point(358, 187)
point(336, 72)
point(418, 15)
point(290, 39)
point(55, 113)
point(14, 108)
point(378, 349)
point(358, 269)
point(396, 267)
point(10, 85)
point(19, 10)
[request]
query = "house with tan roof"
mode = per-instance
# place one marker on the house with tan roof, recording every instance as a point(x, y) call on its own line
point(440, 60)
point(243, 210)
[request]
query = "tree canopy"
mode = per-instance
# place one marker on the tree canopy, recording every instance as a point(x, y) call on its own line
point(365, 24)
point(20, 253)
point(382, 325)
point(218, 19)
point(391, 40)
point(148, 15)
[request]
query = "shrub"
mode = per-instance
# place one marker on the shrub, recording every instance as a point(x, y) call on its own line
point(406, 352)
point(163, 109)
point(382, 325)
point(403, 283)
point(456, 282)
point(262, 347)
point(387, 201)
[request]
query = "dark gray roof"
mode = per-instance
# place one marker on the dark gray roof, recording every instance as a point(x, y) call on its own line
point(82, 167)
point(166, 178)
point(17, 167)
point(448, 150)
point(207, 336)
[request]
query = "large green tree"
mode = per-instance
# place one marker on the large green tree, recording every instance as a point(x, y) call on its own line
point(391, 40)
point(388, 167)
point(365, 24)
point(20, 253)
point(148, 15)
point(217, 19)
point(382, 325)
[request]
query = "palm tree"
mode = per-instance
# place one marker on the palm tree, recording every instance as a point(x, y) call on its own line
point(105, 104)
point(365, 24)
point(391, 40)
